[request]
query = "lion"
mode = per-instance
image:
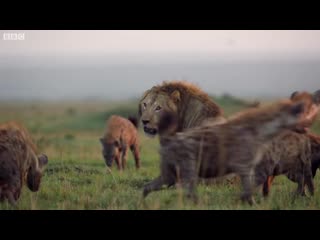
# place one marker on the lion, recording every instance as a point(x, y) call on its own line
point(217, 150)
point(120, 134)
point(192, 106)
point(19, 162)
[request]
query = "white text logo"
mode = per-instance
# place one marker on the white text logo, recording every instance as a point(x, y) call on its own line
point(13, 36)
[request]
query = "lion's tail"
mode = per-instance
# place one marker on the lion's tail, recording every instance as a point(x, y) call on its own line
point(168, 124)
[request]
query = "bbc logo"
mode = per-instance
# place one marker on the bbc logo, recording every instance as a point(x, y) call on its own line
point(13, 36)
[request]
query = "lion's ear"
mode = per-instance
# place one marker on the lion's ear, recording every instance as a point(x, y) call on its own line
point(43, 160)
point(175, 96)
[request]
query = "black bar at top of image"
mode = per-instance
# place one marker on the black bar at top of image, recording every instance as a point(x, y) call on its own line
point(209, 20)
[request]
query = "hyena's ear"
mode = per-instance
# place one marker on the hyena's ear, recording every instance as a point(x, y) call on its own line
point(316, 97)
point(175, 95)
point(101, 141)
point(134, 121)
point(43, 160)
point(297, 108)
point(293, 94)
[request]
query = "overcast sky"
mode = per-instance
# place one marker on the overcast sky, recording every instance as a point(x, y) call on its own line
point(195, 56)
point(157, 41)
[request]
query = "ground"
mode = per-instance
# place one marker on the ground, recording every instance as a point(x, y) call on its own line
point(77, 177)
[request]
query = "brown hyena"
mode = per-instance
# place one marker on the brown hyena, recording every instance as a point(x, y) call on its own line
point(18, 162)
point(295, 155)
point(120, 135)
point(212, 151)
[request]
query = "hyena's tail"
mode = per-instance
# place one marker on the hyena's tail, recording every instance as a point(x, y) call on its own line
point(134, 121)
point(168, 124)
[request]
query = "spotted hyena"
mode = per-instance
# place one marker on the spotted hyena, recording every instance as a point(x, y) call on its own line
point(212, 151)
point(312, 108)
point(19, 162)
point(120, 134)
point(295, 155)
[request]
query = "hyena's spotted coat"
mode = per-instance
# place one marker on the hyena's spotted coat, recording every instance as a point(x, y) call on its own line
point(211, 151)
point(120, 134)
point(19, 163)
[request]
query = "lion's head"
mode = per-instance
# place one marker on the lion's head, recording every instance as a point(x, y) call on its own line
point(152, 105)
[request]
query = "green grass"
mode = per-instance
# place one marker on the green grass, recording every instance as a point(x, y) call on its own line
point(77, 178)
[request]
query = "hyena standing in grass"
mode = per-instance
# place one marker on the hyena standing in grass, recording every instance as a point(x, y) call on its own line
point(278, 147)
point(19, 163)
point(212, 151)
point(295, 155)
point(120, 134)
point(289, 153)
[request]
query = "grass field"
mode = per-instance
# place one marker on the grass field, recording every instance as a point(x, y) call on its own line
point(77, 178)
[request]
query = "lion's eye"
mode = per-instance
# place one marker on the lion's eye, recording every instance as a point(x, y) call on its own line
point(158, 108)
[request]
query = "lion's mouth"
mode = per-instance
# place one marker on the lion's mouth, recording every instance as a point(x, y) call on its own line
point(150, 131)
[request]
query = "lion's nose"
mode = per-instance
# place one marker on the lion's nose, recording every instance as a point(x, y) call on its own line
point(145, 122)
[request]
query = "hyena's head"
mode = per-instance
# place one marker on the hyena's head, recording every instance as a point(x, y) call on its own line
point(35, 173)
point(309, 98)
point(110, 150)
point(312, 106)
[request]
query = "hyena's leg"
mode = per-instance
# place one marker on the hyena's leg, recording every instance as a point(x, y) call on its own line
point(301, 183)
point(124, 156)
point(118, 162)
point(247, 185)
point(304, 177)
point(308, 179)
point(154, 185)
point(3, 192)
point(187, 174)
point(17, 194)
point(314, 170)
point(267, 185)
point(166, 178)
point(135, 151)
point(10, 197)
